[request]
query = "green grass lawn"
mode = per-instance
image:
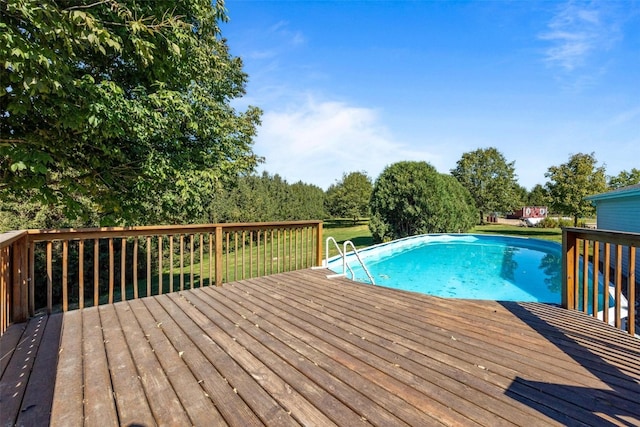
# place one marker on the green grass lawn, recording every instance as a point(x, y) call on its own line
point(553, 234)
point(343, 230)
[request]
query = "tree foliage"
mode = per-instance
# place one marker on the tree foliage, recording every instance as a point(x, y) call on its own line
point(569, 184)
point(490, 180)
point(267, 198)
point(411, 198)
point(349, 197)
point(624, 179)
point(19, 215)
point(538, 196)
point(119, 101)
point(522, 194)
point(306, 201)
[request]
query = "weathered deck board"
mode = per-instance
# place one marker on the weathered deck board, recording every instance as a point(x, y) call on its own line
point(324, 371)
point(540, 358)
point(36, 403)
point(233, 409)
point(10, 341)
point(67, 407)
point(131, 401)
point(299, 349)
point(14, 384)
point(265, 366)
point(242, 373)
point(199, 408)
point(356, 352)
point(99, 402)
point(444, 373)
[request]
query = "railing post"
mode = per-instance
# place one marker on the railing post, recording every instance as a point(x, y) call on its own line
point(31, 278)
point(569, 248)
point(319, 245)
point(19, 289)
point(631, 291)
point(4, 290)
point(218, 255)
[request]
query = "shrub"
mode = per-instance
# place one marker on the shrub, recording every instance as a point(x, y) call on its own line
point(412, 198)
point(548, 222)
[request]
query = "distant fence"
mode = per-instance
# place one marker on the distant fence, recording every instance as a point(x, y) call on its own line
point(593, 277)
point(60, 270)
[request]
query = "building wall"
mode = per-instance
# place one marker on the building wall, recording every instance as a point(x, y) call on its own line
point(620, 214)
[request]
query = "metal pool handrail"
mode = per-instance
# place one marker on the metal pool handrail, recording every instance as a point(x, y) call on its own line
point(345, 264)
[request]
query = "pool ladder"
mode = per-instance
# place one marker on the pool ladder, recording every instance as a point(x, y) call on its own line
point(345, 264)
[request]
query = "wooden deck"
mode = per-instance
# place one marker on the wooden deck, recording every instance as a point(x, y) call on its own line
point(299, 349)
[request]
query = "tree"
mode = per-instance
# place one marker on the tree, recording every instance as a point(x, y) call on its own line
point(411, 198)
point(255, 198)
point(624, 179)
point(266, 197)
point(119, 101)
point(490, 180)
point(349, 198)
point(305, 201)
point(456, 209)
point(538, 196)
point(522, 194)
point(19, 215)
point(571, 182)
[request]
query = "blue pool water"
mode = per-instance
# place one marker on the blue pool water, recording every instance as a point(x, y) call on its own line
point(465, 266)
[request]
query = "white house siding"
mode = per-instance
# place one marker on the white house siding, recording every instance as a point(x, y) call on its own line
point(619, 210)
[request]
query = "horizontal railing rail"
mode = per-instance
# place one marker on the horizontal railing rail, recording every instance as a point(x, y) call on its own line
point(64, 269)
point(593, 280)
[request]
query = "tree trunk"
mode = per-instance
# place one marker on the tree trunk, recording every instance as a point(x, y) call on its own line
point(481, 217)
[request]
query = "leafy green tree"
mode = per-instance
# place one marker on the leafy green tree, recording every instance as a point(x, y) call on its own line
point(624, 179)
point(457, 212)
point(349, 197)
point(411, 198)
point(490, 180)
point(266, 197)
point(121, 102)
point(571, 182)
point(17, 214)
point(538, 196)
point(305, 201)
point(255, 198)
point(523, 195)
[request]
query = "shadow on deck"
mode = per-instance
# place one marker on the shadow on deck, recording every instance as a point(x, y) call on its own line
point(611, 356)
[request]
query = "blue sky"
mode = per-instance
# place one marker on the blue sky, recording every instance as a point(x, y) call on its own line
point(357, 85)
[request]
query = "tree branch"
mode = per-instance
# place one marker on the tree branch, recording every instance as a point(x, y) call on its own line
point(5, 142)
point(87, 6)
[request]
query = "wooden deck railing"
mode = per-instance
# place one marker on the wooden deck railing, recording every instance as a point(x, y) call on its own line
point(593, 279)
point(75, 268)
point(13, 277)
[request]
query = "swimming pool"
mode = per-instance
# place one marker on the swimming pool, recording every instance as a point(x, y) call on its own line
point(469, 266)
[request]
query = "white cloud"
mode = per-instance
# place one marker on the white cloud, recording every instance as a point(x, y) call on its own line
point(627, 116)
point(284, 34)
point(576, 33)
point(262, 54)
point(317, 142)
